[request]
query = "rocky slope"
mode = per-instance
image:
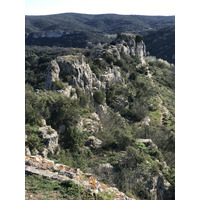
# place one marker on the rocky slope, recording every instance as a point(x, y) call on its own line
point(106, 109)
point(79, 72)
point(44, 167)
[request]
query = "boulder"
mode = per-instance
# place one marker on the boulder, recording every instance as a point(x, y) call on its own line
point(50, 139)
point(91, 125)
point(146, 121)
point(147, 142)
point(93, 142)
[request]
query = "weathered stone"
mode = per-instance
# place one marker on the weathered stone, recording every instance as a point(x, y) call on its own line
point(107, 168)
point(43, 122)
point(50, 138)
point(69, 91)
point(111, 76)
point(93, 142)
point(146, 121)
point(52, 74)
point(147, 142)
point(46, 168)
point(101, 110)
point(121, 101)
point(80, 75)
point(27, 151)
point(126, 43)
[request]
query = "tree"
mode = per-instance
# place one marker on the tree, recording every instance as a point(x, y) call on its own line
point(99, 96)
point(72, 139)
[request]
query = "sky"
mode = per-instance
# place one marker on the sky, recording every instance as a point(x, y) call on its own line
point(127, 7)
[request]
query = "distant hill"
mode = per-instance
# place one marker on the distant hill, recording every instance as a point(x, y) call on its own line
point(161, 43)
point(105, 23)
point(82, 30)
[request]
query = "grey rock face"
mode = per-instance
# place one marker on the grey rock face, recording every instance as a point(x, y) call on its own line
point(79, 75)
point(69, 91)
point(107, 167)
point(147, 142)
point(52, 74)
point(50, 138)
point(126, 43)
point(146, 121)
point(91, 125)
point(111, 76)
point(101, 110)
point(140, 51)
point(93, 142)
point(78, 70)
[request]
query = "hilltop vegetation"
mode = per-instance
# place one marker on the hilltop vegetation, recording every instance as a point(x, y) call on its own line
point(105, 23)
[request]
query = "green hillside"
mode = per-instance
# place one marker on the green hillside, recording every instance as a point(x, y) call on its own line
point(105, 23)
point(113, 111)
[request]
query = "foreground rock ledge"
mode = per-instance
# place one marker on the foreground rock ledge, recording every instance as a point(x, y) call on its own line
point(47, 168)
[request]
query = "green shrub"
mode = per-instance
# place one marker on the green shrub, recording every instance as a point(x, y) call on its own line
point(142, 193)
point(72, 139)
point(58, 85)
point(34, 142)
point(109, 57)
point(99, 96)
point(138, 38)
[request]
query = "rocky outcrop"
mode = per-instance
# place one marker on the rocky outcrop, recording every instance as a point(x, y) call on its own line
point(78, 74)
point(47, 168)
point(50, 140)
point(78, 71)
point(147, 142)
point(91, 125)
point(101, 110)
point(146, 121)
point(52, 74)
point(93, 142)
point(128, 44)
point(69, 91)
point(111, 76)
point(107, 168)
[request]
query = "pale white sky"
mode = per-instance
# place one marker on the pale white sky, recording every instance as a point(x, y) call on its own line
point(141, 7)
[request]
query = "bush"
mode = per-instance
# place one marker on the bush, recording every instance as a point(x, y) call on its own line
point(58, 85)
point(138, 38)
point(109, 57)
point(72, 139)
point(99, 96)
point(35, 107)
point(142, 193)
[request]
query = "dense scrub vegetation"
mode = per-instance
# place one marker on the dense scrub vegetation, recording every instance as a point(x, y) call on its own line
point(157, 43)
point(142, 95)
point(106, 23)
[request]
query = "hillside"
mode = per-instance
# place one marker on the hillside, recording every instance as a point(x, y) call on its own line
point(83, 30)
point(105, 23)
point(107, 110)
point(161, 43)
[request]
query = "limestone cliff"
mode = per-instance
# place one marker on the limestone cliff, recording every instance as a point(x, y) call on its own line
point(130, 45)
point(77, 73)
